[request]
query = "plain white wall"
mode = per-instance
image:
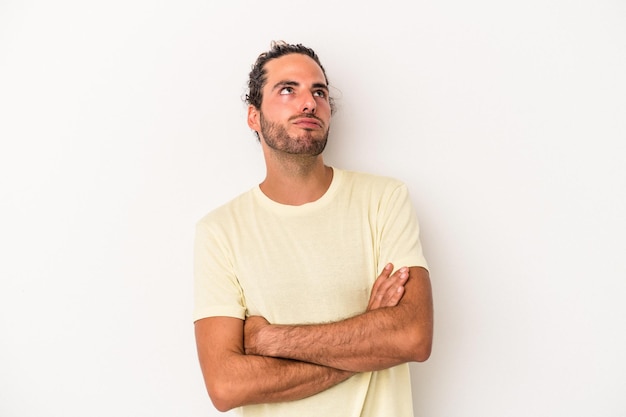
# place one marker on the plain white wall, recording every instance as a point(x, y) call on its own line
point(121, 123)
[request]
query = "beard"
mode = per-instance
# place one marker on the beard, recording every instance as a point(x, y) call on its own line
point(308, 143)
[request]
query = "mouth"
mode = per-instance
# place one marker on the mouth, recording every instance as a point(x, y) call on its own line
point(308, 122)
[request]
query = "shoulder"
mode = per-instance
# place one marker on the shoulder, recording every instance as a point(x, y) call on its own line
point(367, 182)
point(228, 212)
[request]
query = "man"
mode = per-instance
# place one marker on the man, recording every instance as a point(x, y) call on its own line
point(299, 311)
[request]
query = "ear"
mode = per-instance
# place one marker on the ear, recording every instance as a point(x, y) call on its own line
point(254, 117)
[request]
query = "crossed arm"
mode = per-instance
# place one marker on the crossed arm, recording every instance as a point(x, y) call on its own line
point(255, 362)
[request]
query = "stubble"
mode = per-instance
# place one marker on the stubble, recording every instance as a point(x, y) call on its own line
point(307, 143)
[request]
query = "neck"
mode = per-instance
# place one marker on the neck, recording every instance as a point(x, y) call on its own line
point(296, 180)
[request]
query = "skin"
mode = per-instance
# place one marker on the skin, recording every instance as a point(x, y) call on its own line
point(234, 378)
point(253, 361)
point(295, 102)
point(375, 340)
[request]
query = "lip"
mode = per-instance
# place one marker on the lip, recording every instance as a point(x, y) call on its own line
point(308, 122)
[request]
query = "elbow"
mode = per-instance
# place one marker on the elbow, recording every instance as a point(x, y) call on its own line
point(222, 397)
point(422, 352)
point(421, 346)
point(221, 404)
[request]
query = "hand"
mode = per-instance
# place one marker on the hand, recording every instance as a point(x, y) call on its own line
point(251, 328)
point(388, 288)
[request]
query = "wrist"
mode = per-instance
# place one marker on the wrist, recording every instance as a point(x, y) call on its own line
point(260, 344)
point(267, 341)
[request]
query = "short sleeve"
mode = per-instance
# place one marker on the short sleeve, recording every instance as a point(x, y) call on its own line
point(216, 289)
point(398, 229)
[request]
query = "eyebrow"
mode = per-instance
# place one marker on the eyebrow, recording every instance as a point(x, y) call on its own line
point(287, 83)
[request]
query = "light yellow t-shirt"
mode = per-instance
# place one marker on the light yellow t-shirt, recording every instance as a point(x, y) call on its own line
point(313, 263)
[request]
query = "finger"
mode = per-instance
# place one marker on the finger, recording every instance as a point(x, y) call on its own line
point(393, 289)
point(390, 284)
point(394, 297)
point(390, 290)
point(386, 272)
point(376, 295)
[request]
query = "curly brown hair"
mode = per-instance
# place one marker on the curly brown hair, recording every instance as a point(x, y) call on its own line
point(258, 75)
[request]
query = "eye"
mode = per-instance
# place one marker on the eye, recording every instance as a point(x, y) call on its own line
point(320, 93)
point(286, 90)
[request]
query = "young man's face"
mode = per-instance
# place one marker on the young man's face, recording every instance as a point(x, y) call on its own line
point(295, 113)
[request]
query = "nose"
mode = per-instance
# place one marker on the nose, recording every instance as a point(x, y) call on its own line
point(309, 104)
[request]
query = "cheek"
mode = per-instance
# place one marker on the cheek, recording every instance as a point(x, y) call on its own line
point(278, 105)
point(322, 102)
point(284, 112)
point(323, 107)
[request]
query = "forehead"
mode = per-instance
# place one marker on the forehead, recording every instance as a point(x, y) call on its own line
point(294, 67)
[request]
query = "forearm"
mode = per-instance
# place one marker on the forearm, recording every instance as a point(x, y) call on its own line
point(374, 340)
point(367, 342)
point(233, 378)
point(250, 379)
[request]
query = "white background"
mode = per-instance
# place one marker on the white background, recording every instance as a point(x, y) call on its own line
point(121, 124)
